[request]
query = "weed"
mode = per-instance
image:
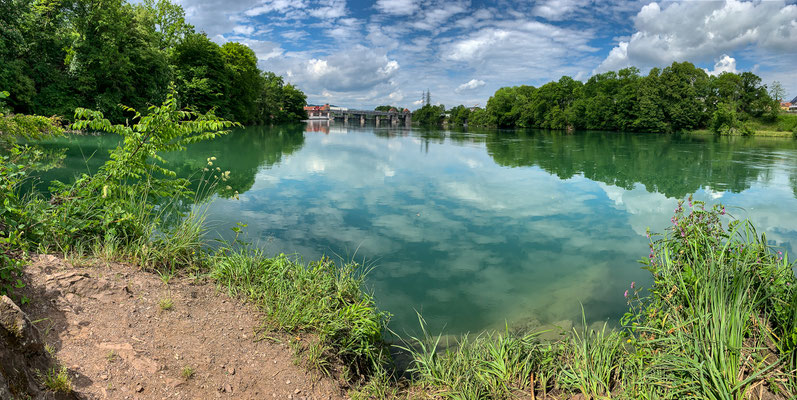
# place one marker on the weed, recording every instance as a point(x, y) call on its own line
point(165, 303)
point(57, 380)
point(50, 349)
point(165, 276)
point(316, 358)
point(111, 356)
point(187, 372)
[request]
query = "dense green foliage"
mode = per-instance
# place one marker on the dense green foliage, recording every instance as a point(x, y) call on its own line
point(429, 115)
point(56, 56)
point(16, 163)
point(680, 97)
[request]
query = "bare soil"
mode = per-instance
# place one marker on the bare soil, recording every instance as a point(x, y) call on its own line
point(106, 324)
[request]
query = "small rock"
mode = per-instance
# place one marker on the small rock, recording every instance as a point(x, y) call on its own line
point(290, 396)
point(139, 388)
point(231, 370)
point(287, 382)
point(227, 388)
point(297, 391)
point(104, 377)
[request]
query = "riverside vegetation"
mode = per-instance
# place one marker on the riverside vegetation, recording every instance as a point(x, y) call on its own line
point(680, 97)
point(56, 56)
point(719, 321)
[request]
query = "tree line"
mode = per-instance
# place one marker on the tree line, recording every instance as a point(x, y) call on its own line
point(58, 55)
point(680, 97)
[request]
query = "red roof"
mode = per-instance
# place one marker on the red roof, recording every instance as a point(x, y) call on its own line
point(785, 104)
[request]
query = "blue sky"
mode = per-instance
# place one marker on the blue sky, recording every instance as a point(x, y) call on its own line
point(366, 53)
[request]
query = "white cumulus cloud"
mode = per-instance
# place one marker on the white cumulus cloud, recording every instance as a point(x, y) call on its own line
point(724, 64)
point(704, 30)
point(397, 7)
point(470, 85)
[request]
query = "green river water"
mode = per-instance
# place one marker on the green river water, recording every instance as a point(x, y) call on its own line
point(479, 229)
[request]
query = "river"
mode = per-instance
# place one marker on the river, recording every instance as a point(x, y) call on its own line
point(482, 228)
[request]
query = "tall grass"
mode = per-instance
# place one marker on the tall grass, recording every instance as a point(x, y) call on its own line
point(591, 364)
point(489, 365)
point(321, 298)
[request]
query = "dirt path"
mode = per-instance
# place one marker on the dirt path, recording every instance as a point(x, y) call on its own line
point(108, 326)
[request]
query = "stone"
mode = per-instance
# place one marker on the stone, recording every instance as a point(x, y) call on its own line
point(22, 355)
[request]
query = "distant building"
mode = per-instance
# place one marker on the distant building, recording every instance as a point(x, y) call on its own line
point(318, 112)
point(785, 106)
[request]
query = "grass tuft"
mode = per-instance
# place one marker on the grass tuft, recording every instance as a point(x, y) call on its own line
point(57, 380)
point(166, 303)
point(187, 372)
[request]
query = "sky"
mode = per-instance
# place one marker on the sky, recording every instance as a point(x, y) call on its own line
point(361, 54)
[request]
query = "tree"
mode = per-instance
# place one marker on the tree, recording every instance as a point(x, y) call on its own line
point(168, 21)
point(200, 73)
point(58, 55)
point(114, 59)
point(459, 115)
point(429, 115)
point(683, 90)
point(776, 91)
point(244, 81)
point(502, 108)
point(279, 102)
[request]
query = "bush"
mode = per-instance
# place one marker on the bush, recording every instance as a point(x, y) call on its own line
point(726, 121)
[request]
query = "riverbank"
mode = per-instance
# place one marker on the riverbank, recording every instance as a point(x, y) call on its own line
point(125, 333)
point(758, 133)
point(718, 322)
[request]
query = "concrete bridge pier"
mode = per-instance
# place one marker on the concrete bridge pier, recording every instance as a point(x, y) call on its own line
point(394, 120)
point(408, 120)
point(376, 121)
point(362, 120)
point(345, 119)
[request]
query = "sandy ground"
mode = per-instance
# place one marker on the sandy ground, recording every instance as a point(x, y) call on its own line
point(106, 325)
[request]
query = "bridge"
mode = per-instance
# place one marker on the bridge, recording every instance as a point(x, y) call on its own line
point(361, 116)
point(391, 118)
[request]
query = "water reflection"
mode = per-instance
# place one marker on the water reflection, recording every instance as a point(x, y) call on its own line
point(476, 228)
